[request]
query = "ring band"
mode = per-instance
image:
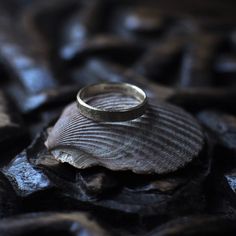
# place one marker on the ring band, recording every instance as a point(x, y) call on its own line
point(111, 116)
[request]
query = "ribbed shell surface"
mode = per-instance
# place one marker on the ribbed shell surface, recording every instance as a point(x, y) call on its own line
point(163, 140)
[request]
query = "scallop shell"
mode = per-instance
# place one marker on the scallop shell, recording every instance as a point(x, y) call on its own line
point(163, 140)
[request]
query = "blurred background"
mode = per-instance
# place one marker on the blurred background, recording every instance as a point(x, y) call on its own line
point(53, 44)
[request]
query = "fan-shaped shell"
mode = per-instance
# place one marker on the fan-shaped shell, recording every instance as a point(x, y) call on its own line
point(163, 140)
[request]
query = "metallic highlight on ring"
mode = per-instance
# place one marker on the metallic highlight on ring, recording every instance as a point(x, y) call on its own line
point(111, 116)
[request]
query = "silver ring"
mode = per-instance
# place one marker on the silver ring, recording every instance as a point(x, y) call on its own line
point(111, 116)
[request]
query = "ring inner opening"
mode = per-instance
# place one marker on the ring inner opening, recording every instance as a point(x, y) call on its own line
point(112, 101)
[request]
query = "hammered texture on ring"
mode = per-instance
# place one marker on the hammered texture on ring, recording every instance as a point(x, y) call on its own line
point(97, 114)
